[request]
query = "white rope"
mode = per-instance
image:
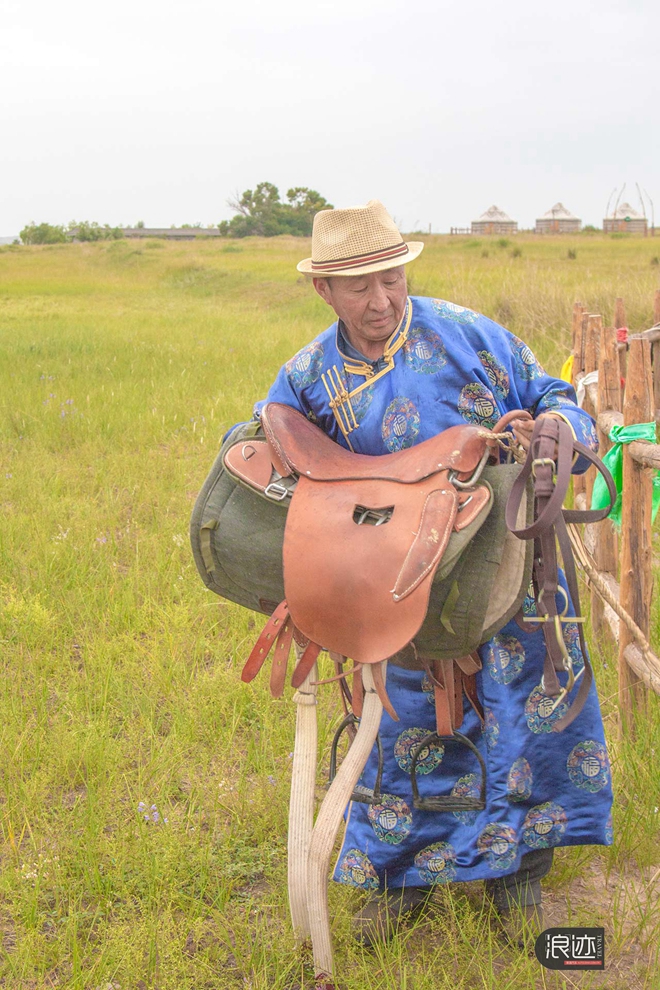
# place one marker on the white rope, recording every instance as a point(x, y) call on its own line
point(329, 820)
point(301, 805)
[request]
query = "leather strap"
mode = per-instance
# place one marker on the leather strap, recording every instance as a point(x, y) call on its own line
point(281, 659)
point(265, 643)
point(358, 693)
point(305, 664)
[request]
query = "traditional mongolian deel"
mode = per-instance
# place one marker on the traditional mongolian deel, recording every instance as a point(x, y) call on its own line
point(443, 366)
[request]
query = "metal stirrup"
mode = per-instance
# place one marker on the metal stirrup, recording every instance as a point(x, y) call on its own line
point(445, 802)
point(361, 794)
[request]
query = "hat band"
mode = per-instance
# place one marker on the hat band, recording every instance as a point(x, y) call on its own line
point(358, 260)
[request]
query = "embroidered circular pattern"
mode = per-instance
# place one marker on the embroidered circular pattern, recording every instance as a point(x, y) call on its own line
point(538, 711)
point(544, 825)
point(588, 766)
point(609, 830)
point(496, 372)
point(450, 311)
point(491, 728)
point(406, 744)
point(356, 869)
point(424, 352)
point(477, 405)
point(572, 641)
point(304, 368)
point(498, 843)
point(519, 780)
point(427, 688)
point(504, 658)
point(391, 820)
point(362, 400)
point(529, 608)
point(467, 786)
point(400, 424)
point(557, 400)
point(436, 863)
point(526, 364)
point(590, 436)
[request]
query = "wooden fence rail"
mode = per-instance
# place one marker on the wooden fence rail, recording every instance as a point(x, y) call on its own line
point(618, 566)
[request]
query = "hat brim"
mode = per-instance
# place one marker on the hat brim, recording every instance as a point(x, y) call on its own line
point(415, 248)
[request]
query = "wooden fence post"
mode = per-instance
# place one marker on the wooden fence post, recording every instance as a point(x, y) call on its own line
point(636, 573)
point(609, 397)
point(580, 320)
point(655, 356)
point(576, 337)
point(620, 322)
point(591, 348)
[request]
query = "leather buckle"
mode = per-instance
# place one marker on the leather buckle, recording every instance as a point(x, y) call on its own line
point(276, 491)
point(543, 462)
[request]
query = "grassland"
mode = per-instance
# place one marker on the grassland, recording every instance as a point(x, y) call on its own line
point(143, 801)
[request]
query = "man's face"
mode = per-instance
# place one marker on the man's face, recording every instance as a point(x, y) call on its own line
point(370, 306)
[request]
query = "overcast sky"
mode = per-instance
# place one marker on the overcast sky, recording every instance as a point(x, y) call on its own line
point(158, 111)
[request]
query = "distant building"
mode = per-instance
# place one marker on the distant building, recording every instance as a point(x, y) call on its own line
point(625, 220)
point(558, 220)
point(494, 221)
point(170, 233)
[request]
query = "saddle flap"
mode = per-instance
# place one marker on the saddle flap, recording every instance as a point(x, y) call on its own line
point(430, 541)
point(250, 462)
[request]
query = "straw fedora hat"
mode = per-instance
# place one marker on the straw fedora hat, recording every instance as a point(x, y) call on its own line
point(357, 241)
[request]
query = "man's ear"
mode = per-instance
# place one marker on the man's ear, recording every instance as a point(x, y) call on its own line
point(322, 286)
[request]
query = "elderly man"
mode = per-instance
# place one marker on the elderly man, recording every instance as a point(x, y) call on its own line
point(390, 372)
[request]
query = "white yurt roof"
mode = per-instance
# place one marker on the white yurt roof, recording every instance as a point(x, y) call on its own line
point(494, 215)
point(623, 211)
point(559, 212)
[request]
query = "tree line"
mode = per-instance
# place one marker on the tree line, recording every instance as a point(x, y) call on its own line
point(258, 212)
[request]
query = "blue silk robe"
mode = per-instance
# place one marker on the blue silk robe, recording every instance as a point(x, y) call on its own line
point(446, 365)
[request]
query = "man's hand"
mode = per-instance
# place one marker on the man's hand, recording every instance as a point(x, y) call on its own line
point(523, 429)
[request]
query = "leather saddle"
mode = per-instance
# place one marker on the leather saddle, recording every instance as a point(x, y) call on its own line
point(363, 540)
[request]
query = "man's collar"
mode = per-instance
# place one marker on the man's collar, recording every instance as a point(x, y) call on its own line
point(351, 354)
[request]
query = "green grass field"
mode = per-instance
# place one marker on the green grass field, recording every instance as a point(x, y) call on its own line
point(143, 802)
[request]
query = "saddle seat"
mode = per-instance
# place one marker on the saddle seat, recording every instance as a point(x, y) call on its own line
point(299, 447)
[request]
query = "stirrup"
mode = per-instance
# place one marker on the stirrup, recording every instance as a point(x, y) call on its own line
point(361, 794)
point(445, 802)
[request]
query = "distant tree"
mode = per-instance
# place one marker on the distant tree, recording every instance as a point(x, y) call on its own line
point(140, 225)
point(260, 211)
point(92, 231)
point(42, 233)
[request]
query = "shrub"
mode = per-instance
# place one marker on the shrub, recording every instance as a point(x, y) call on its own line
point(503, 242)
point(43, 233)
point(516, 253)
point(92, 231)
point(571, 254)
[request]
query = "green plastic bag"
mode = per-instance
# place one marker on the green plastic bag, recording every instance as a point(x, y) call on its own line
point(613, 460)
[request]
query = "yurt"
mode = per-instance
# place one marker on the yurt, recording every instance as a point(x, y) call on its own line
point(625, 220)
point(494, 221)
point(558, 220)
